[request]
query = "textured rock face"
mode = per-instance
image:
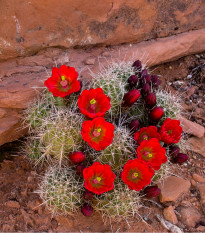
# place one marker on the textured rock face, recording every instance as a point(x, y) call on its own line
point(28, 26)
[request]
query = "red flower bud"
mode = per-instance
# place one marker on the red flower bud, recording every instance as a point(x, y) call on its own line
point(156, 114)
point(144, 72)
point(134, 125)
point(146, 79)
point(150, 100)
point(152, 191)
point(155, 80)
point(137, 65)
point(131, 97)
point(79, 169)
point(88, 195)
point(132, 80)
point(146, 89)
point(77, 157)
point(174, 151)
point(180, 158)
point(87, 210)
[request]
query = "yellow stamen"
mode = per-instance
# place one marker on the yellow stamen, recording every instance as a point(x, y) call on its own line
point(135, 174)
point(150, 155)
point(63, 78)
point(93, 101)
point(98, 179)
point(99, 130)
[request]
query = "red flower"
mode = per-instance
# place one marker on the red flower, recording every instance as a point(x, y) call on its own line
point(170, 131)
point(93, 103)
point(98, 178)
point(146, 133)
point(152, 152)
point(137, 174)
point(98, 133)
point(63, 81)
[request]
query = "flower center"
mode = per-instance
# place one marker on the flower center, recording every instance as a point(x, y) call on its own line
point(63, 78)
point(96, 132)
point(135, 175)
point(93, 101)
point(97, 180)
point(145, 137)
point(147, 154)
point(169, 132)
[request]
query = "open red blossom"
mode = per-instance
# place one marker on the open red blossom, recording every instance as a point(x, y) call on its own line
point(98, 133)
point(93, 103)
point(170, 131)
point(63, 81)
point(146, 133)
point(152, 153)
point(137, 174)
point(98, 178)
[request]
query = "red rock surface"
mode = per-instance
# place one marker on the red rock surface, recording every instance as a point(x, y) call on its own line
point(30, 26)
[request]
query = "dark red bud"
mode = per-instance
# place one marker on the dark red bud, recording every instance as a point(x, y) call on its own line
point(130, 98)
point(146, 79)
point(87, 210)
point(152, 191)
point(155, 80)
point(77, 157)
point(79, 169)
point(132, 80)
point(137, 65)
point(180, 158)
point(144, 72)
point(151, 100)
point(156, 114)
point(88, 195)
point(146, 89)
point(174, 151)
point(134, 125)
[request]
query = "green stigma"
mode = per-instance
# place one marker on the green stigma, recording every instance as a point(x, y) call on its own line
point(93, 101)
point(135, 174)
point(63, 78)
point(169, 132)
point(150, 155)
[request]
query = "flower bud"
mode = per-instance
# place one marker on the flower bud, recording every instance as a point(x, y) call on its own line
point(155, 80)
point(146, 79)
point(146, 89)
point(173, 151)
point(130, 98)
point(134, 125)
point(137, 65)
point(87, 210)
point(150, 100)
point(180, 158)
point(88, 195)
point(132, 80)
point(144, 72)
point(156, 114)
point(152, 191)
point(77, 157)
point(79, 169)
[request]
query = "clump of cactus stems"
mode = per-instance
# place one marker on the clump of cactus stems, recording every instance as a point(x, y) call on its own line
point(61, 190)
point(55, 136)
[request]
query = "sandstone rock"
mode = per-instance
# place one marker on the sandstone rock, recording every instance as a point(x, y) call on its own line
point(191, 90)
point(201, 188)
point(13, 204)
point(2, 112)
point(192, 128)
point(201, 228)
point(170, 215)
point(190, 216)
point(90, 61)
point(8, 228)
point(198, 178)
point(172, 188)
point(81, 23)
point(197, 145)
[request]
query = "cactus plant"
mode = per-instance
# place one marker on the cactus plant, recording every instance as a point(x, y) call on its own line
point(61, 190)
